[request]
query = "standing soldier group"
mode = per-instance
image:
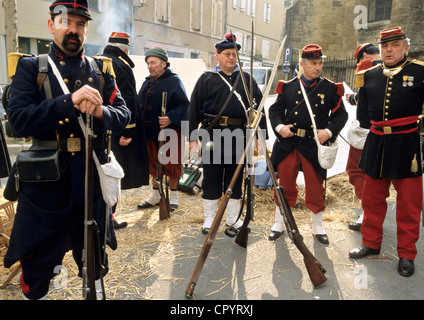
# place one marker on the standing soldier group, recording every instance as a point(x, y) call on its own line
point(49, 218)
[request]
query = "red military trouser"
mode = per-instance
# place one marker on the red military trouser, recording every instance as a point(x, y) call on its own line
point(408, 210)
point(288, 170)
point(356, 175)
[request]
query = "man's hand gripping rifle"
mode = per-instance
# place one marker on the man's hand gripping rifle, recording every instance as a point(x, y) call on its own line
point(161, 180)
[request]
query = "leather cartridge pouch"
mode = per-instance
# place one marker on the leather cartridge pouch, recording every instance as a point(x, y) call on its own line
point(41, 163)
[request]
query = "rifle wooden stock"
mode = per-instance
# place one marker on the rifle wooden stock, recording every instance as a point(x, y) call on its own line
point(164, 206)
point(88, 269)
point(313, 266)
point(210, 237)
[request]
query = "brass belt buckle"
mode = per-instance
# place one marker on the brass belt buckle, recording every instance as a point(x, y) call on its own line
point(73, 144)
point(301, 133)
point(223, 121)
point(387, 130)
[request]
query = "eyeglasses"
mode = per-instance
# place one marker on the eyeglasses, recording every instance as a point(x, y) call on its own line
point(228, 54)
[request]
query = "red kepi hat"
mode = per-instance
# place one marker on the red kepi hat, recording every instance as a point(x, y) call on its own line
point(119, 37)
point(312, 51)
point(391, 34)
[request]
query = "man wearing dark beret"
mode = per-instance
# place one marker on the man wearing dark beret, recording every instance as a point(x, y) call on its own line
point(295, 148)
point(220, 162)
point(50, 214)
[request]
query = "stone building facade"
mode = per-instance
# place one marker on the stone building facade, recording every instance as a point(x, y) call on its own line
point(339, 26)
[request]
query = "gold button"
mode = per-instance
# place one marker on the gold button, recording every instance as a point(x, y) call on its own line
point(73, 154)
point(90, 79)
point(389, 88)
point(386, 114)
point(95, 136)
point(296, 113)
point(66, 120)
point(389, 94)
point(62, 63)
point(299, 92)
point(66, 80)
point(387, 107)
point(297, 102)
point(387, 101)
point(72, 135)
point(61, 122)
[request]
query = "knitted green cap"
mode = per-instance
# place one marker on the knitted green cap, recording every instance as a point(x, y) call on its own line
point(157, 52)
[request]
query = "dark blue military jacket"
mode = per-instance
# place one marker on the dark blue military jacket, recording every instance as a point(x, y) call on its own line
point(133, 157)
point(207, 99)
point(45, 208)
point(385, 98)
point(290, 108)
point(150, 99)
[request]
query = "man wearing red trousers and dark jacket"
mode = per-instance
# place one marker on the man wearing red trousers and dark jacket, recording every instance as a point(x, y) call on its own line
point(367, 56)
point(390, 100)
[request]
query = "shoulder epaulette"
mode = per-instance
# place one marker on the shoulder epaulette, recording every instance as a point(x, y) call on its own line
point(124, 61)
point(280, 85)
point(359, 81)
point(12, 62)
point(107, 65)
point(339, 85)
point(421, 63)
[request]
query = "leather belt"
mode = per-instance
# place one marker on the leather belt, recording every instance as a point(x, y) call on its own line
point(395, 129)
point(302, 133)
point(225, 121)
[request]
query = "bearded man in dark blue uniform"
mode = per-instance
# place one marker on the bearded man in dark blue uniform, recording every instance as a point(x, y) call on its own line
point(50, 215)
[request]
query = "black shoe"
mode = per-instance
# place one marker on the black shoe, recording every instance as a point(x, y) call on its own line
point(322, 238)
point(274, 235)
point(362, 252)
point(173, 206)
point(232, 232)
point(354, 226)
point(205, 231)
point(118, 225)
point(406, 267)
point(146, 205)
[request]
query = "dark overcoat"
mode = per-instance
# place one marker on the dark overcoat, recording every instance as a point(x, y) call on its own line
point(133, 158)
point(46, 209)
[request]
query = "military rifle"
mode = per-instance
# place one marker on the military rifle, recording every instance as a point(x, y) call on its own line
point(243, 232)
point(210, 237)
point(88, 257)
point(421, 133)
point(163, 188)
point(313, 266)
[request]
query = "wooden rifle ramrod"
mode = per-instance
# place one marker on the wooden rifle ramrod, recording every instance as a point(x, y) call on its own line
point(210, 237)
